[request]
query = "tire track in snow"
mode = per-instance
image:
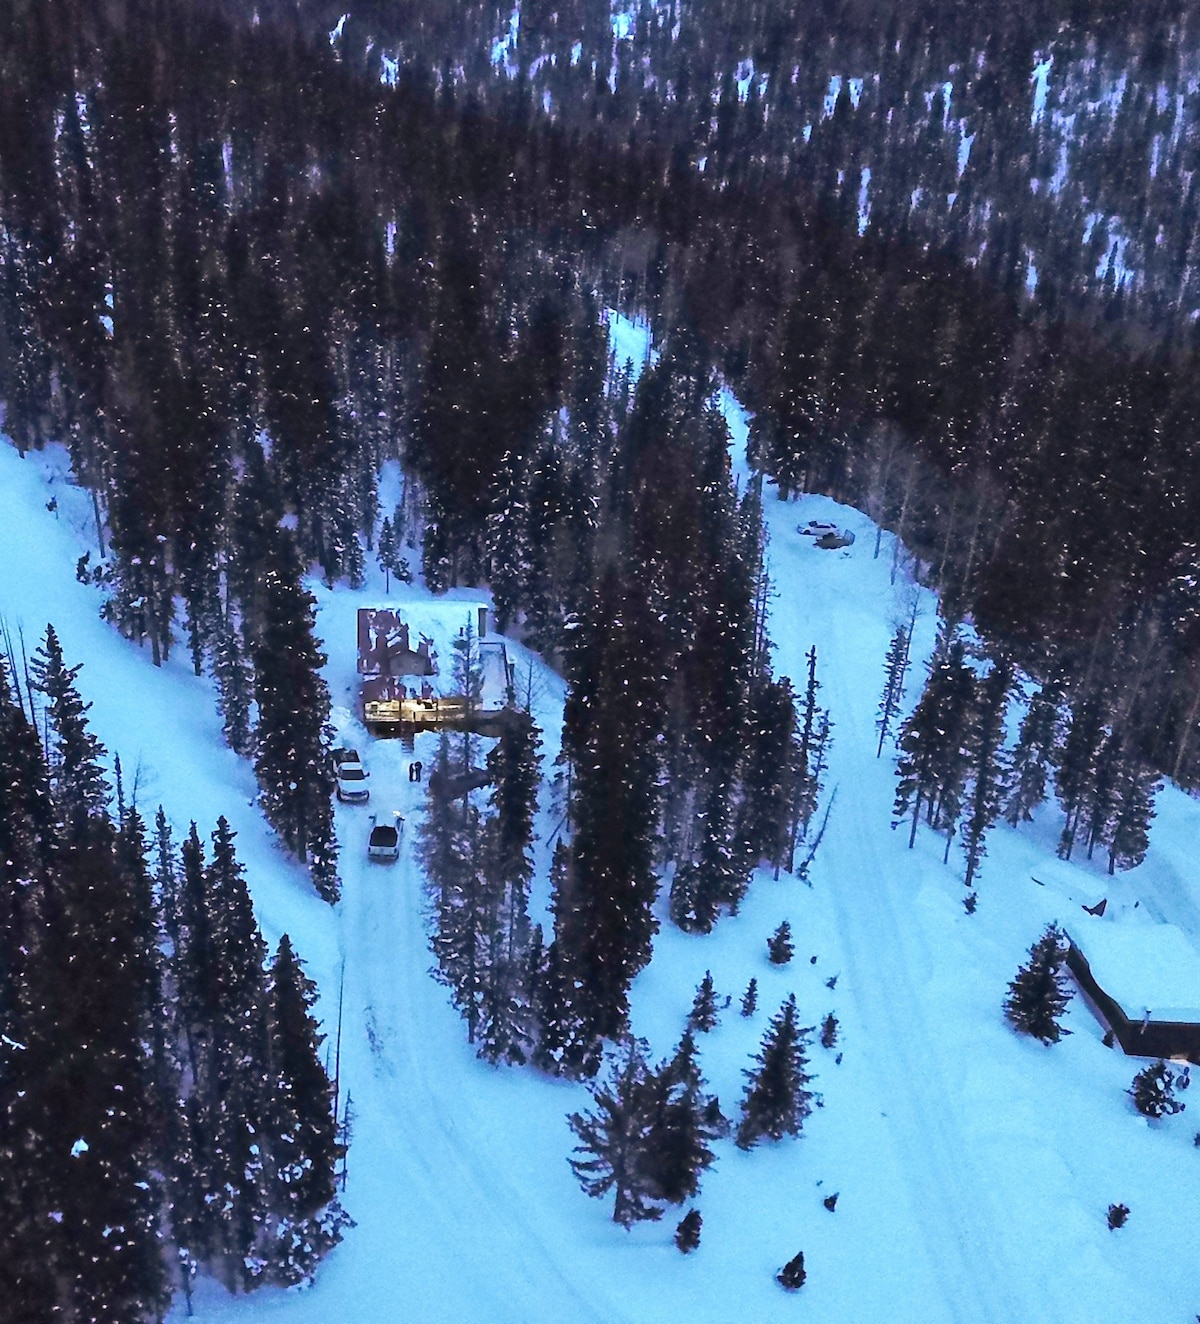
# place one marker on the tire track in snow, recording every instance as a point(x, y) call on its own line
point(453, 1184)
point(949, 1198)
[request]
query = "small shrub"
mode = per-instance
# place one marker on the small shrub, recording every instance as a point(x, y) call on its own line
point(1153, 1091)
point(829, 1031)
point(1117, 1214)
point(687, 1234)
point(779, 946)
point(793, 1273)
point(830, 1202)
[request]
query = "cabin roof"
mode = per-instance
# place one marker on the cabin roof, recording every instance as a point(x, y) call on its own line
point(1146, 967)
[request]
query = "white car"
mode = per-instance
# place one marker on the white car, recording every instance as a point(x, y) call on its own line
point(384, 842)
point(351, 777)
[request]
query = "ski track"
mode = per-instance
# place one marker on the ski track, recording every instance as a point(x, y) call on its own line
point(948, 1196)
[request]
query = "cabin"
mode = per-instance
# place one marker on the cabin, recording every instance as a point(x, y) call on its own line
point(403, 691)
point(1141, 981)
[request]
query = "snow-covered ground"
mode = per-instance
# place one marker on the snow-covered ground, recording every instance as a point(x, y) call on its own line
point(974, 1168)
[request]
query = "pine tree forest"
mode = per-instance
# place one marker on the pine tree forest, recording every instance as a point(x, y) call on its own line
point(264, 266)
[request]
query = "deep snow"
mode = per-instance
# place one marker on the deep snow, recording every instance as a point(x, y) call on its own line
point(974, 1168)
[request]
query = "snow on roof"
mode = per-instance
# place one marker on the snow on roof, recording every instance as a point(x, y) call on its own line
point(1146, 967)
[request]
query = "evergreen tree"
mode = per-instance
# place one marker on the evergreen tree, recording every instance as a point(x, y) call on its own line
point(895, 670)
point(232, 1088)
point(793, 1273)
point(687, 1234)
point(933, 761)
point(987, 771)
point(703, 1016)
point(1039, 994)
point(391, 558)
point(780, 949)
point(235, 689)
point(1076, 772)
point(829, 1031)
point(685, 1120)
point(77, 777)
point(305, 1219)
point(1034, 755)
point(1133, 810)
point(1153, 1091)
point(292, 763)
point(750, 998)
point(777, 1099)
point(614, 1137)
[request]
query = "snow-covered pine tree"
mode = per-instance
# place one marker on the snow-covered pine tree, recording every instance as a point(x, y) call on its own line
point(450, 844)
point(81, 1120)
point(987, 773)
point(933, 761)
point(1039, 993)
point(235, 688)
point(390, 556)
point(166, 880)
point(304, 1219)
point(750, 998)
point(687, 1234)
point(1034, 754)
point(74, 754)
point(780, 948)
point(1153, 1091)
point(1133, 811)
point(895, 671)
point(292, 762)
point(793, 1273)
point(685, 1120)
point(777, 1098)
point(233, 1084)
point(1076, 770)
point(613, 1138)
point(761, 832)
point(1096, 814)
point(703, 1016)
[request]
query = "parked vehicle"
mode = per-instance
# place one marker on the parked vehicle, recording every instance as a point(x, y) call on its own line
point(816, 527)
point(351, 777)
point(384, 842)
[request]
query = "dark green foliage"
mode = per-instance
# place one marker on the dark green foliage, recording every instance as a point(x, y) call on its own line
point(1118, 1214)
point(777, 1099)
point(986, 766)
point(750, 998)
point(895, 670)
point(1034, 754)
point(1075, 777)
point(703, 1016)
point(235, 689)
point(292, 738)
point(829, 1031)
point(780, 948)
point(1039, 994)
point(615, 1138)
point(75, 755)
point(391, 558)
point(687, 1234)
point(305, 1220)
point(793, 1273)
point(685, 1120)
point(1153, 1091)
point(932, 768)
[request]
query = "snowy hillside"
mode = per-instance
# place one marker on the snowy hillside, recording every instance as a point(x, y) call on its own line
point(973, 1168)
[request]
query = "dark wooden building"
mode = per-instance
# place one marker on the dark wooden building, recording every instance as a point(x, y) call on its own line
point(1142, 981)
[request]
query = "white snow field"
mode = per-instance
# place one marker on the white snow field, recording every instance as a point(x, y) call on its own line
point(974, 1168)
